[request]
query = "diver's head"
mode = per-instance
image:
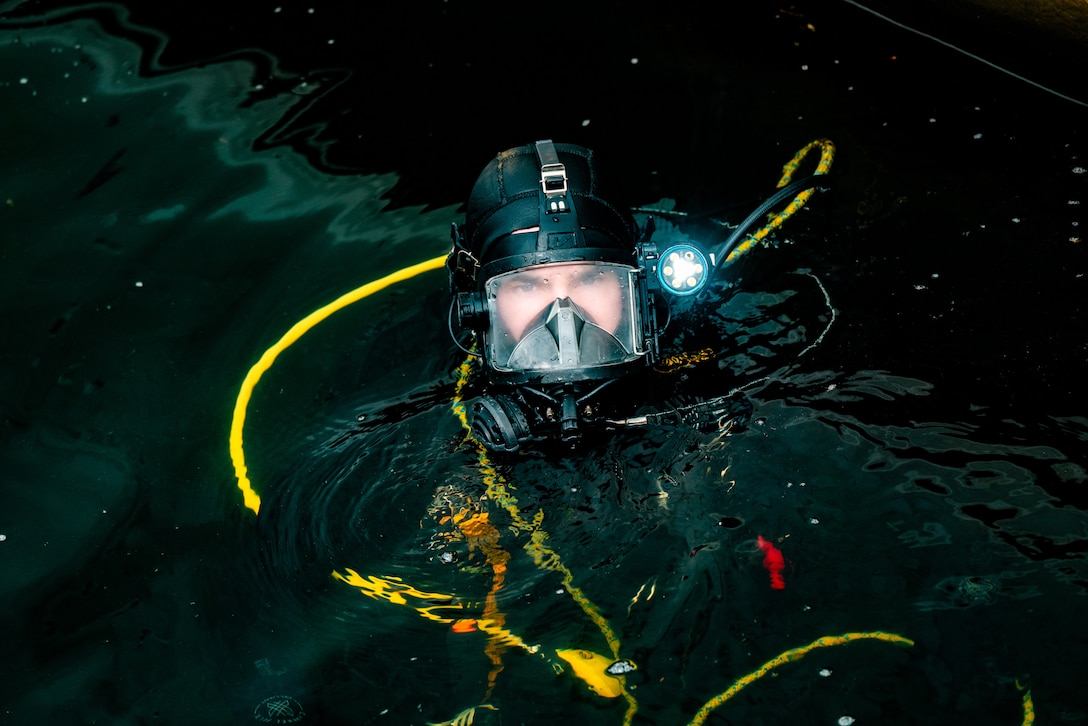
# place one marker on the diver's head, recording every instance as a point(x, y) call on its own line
point(545, 273)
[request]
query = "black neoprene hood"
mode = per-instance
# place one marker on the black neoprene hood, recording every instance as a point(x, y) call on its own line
point(507, 198)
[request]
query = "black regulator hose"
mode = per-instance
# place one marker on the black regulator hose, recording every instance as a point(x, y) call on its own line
point(790, 190)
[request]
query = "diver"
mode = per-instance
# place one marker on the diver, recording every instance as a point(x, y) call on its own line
point(564, 295)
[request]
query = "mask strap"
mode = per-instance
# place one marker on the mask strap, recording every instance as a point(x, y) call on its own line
point(558, 221)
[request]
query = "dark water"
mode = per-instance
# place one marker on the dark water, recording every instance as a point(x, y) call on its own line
point(182, 183)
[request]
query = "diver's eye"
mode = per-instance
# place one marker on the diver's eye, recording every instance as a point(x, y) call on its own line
point(591, 277)
point(525, 284)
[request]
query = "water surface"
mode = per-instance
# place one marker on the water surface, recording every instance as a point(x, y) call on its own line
point(911, 346)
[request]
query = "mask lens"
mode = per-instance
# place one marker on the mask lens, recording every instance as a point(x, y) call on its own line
point(562, 316)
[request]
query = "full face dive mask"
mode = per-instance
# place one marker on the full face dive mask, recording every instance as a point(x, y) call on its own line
point(545, 274)
point(564, 295)
point(561, 290)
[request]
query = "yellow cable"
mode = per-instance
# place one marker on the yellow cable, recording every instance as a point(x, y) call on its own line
point(789, 656)
point(250, 497)
point(394, 590)
point(436, 606)
point(827, 156)
point(1028, 704)
point(543, 555)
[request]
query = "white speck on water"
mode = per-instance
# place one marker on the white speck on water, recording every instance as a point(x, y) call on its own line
point(1079, 170)
point(1016, 220)
point(1073, 202)
point(585, 122)
point(331, 41)
point(804, 67)
point(3, 537)
point(825, 672)
point(813, 520)
point(24, 81)
point(846, 720)
point(933, 120)
point(559, 591)
point(977, 136)
point(277, 10)
point(139, 283)
point(83, 100)
point(634, 61)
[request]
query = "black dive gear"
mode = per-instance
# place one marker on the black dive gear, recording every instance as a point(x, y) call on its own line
point(545, 272)
point(564, 294)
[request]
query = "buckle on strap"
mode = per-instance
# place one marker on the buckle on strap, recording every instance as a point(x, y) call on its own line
point(553, 180)
point(558, 220)
point(553, 175)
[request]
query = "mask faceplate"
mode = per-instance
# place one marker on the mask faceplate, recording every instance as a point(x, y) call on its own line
point(563, 317)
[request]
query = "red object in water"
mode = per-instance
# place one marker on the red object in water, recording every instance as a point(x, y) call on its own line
point(774, 563)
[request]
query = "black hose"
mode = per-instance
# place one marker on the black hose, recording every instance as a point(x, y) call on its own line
point(785, 192)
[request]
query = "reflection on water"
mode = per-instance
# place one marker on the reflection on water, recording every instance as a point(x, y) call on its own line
point(158, 236)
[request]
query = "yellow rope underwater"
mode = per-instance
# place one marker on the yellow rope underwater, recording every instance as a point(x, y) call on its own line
point(827, 155)
point(1028, 705)
point(250, 497)
point(444, 608)
point(543, 556)
point(789, 656)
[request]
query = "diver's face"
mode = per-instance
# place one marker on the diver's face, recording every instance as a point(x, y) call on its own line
point(523, 296)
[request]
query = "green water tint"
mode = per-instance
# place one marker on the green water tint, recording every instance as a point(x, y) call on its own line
point(151, 250)
point(592, 668)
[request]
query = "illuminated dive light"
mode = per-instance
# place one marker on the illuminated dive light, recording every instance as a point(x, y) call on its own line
point(683, 269)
